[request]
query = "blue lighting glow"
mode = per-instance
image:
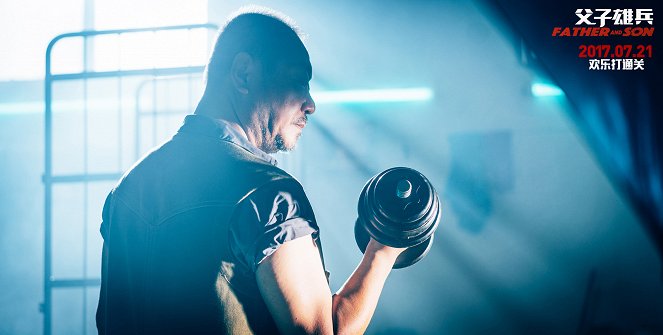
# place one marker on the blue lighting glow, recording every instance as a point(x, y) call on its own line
point(373, 96)
point(546, 90)
point(320, 97)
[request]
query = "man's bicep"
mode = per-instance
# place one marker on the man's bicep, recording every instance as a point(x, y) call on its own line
point(294, 287)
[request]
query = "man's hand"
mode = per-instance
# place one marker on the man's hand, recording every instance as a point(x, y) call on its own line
point(379, 248)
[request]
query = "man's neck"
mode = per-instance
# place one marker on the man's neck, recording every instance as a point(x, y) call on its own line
point(221, 107)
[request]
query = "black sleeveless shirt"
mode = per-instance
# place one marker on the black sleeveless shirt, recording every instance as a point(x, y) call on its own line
point(185, 229)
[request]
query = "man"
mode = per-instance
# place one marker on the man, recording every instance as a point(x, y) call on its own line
point(205, 235)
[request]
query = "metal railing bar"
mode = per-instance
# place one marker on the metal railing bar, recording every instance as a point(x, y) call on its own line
point(125, 31)
point(165, 71)
point(76, 178)
point(56, 283)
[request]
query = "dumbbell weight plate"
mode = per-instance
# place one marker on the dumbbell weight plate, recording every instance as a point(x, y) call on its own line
point(399, 208)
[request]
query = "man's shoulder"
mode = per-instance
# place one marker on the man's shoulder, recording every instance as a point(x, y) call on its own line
point(215, 167)
point(199, 155)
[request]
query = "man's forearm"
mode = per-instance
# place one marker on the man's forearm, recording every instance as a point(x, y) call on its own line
point(353, 305)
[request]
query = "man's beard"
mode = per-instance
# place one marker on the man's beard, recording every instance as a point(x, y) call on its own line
point(271, 142)
point(275, 142)
point(279, 143)
point(275, 145)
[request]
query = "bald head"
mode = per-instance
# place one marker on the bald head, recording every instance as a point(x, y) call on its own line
point(267, 37)
point(258, 80)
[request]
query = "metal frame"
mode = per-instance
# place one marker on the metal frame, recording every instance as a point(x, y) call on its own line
point(85, 178)
point(140, 113)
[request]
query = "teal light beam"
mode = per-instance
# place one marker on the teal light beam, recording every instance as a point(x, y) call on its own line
point(546, 90)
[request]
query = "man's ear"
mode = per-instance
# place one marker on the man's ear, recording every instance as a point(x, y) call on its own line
point(242, 69)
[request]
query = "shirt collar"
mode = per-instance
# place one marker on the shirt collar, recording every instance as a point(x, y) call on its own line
point(221, 129)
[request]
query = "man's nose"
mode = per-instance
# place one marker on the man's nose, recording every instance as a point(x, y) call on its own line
point(309, 105)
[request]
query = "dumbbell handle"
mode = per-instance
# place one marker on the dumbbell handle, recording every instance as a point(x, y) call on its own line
point(403, 189)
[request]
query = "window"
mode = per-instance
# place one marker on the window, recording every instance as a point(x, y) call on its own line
point(30, 25)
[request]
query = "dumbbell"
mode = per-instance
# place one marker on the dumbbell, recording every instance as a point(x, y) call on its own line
point(399, 208)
